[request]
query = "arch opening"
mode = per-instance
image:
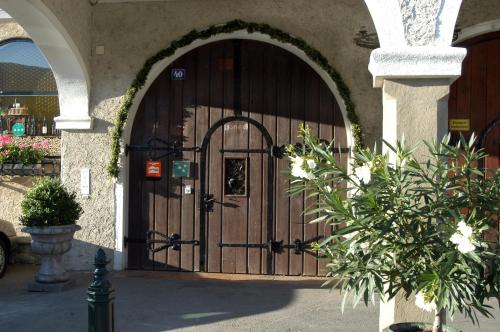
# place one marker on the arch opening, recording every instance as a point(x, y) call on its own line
point(66, 62)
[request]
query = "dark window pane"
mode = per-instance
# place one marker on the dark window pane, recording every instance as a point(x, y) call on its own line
point(235, 176)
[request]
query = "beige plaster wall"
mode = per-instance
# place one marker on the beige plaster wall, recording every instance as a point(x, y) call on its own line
point(132, 32)
point(477, 11)
point(12, 191)
point(10, 29)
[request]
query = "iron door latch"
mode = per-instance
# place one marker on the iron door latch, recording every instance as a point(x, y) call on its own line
point(208, 202)
point(272, 246)
point(174, 241)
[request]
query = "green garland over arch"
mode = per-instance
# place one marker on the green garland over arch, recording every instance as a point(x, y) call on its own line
point(232, 26)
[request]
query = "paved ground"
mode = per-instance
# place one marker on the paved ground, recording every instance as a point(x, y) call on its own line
point(155, 302)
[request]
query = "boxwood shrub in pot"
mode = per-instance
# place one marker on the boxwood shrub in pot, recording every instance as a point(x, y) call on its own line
point(406, 225)
point(50, 212)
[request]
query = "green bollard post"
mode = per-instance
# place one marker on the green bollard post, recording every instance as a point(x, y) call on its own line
point(100, 301)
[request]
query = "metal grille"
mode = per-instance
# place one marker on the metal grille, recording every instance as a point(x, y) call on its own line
point(47, 167)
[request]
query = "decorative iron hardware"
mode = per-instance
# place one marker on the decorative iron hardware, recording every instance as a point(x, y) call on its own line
point(278, 247)
point(273, 151)
point(155, 144)
point(174, 241)
point(366, 39)
point(484, 135)
point(208, 202)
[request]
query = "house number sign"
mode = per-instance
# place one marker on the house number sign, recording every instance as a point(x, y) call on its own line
point(178, 74)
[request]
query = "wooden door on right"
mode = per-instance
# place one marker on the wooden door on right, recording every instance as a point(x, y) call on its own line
point(474, 102)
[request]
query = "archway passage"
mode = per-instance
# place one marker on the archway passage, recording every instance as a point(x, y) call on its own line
point(249, 224)
point(474, 102)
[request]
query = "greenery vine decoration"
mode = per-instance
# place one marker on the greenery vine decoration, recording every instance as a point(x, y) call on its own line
point(232, 26)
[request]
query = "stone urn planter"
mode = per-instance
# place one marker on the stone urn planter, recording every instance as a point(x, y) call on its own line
point(49, 213)
point(51, 243)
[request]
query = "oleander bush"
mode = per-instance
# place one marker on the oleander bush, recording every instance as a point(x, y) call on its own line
point(405, 225)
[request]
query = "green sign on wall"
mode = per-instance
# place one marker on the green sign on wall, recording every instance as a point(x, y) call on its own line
point(18, 129)
point(181, 168)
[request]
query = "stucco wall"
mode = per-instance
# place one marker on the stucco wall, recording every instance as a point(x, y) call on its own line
point(10, 29)
point(12, 191)
point(132, 32)
point(477, 11)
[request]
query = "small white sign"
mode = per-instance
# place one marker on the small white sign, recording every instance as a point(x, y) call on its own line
point(85, 181)
point(187, 189)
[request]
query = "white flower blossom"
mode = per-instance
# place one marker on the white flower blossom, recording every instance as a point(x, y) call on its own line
point(328, 189)
point(422, 304)
point(298, 170)
point(463, 238)
point(311, 163)
point(363, 174)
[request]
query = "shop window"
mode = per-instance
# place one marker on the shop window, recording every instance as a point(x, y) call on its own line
point(28, 90)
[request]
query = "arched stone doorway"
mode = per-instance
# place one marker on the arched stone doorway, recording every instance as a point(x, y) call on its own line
point(474, 102)
point(242, 78)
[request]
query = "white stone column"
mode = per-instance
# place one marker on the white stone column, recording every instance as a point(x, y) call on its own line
point(414, 66)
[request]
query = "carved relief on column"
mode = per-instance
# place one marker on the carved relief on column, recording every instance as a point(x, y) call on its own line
point(420, 18)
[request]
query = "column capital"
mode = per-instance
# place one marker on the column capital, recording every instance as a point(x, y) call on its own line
point(416, 62)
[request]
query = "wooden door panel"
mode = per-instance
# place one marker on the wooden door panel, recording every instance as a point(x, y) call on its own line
point(476, 94)
point(252, 100)
point(283, 107)
point(214, 165)
point(188, 228)
point(223, 79)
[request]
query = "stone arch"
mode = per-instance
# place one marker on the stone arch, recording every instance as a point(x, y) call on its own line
point(477, 30)
point(67, 64)
point(121, 187)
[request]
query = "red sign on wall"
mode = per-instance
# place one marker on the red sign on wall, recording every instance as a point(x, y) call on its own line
point(153, 169)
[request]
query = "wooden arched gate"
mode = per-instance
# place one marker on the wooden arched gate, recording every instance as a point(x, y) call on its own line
point(217, 119)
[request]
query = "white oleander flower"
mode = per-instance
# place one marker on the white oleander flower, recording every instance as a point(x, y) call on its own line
point(328, 189)
point(422, 304)
point(363, 174)
point(298, 170)
point(311, 163)
point(463, 238)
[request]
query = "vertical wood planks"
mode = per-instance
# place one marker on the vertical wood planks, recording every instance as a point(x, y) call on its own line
point(257, 214)
point(283, 98)
point(189, 137)
point(214, 163)
point(298, 109)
